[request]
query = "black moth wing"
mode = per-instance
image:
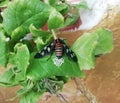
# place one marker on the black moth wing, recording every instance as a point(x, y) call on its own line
point(46, 50)
point(68, 52)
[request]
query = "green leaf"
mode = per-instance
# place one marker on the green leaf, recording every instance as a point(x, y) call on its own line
point(62, 8)
point(7, 79)
point(40, 43)
point(51, 2)
point(59, 83)
point(56, 20)
point(71, 19)
point(28, 87)
point(63, 78)
point(82, 4)
point(45, 67)
point(3, 48)
point(65, 10)
point(40, 37)
point(17, 34)
point(105, 42)
point(31, 97)
point(21, 13)
point(20, 60)
point(29, 44)
point(38, 32)
point(84, 48)
point(4, 3)
point(90, 45)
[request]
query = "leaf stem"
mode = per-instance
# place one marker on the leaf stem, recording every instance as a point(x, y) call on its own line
point(54, 34)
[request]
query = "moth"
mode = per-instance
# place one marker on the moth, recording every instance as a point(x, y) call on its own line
point(60, 48)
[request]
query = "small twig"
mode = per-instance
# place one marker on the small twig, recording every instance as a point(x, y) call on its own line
point(54, 34)
point(60, 96)
point(86, 92)
point(53, 90)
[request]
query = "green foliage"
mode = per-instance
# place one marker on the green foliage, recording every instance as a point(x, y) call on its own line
point(89, 45)
point(20, 60)
point(51, 2)
point(84, 47)
point(24, 18)
point(21, 13)
point(56, 20)
point(31, 97)
point(62, 8)
point(71, 19)
point(4, 3)
point(3, 47)
point(45, 67)
point(8, 79)
point(40, 37)
point(105, 42)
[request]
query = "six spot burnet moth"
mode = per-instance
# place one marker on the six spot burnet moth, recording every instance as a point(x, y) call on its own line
point(60, 47)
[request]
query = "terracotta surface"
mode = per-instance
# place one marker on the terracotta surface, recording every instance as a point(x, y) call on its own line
point(101, 84)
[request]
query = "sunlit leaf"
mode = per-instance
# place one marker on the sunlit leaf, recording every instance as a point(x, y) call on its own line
point(40, 37)
point(90, 45)
point(3, 47)
point(84, 48)
point(56, 20)
point(4, 3)
point(21, 13)
point(71, 19)
point(45, 67)
point(62, 8)
point(8, 79)
point(51, 2)
point(31, 97)
point(20, 59)
point(105, 42)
